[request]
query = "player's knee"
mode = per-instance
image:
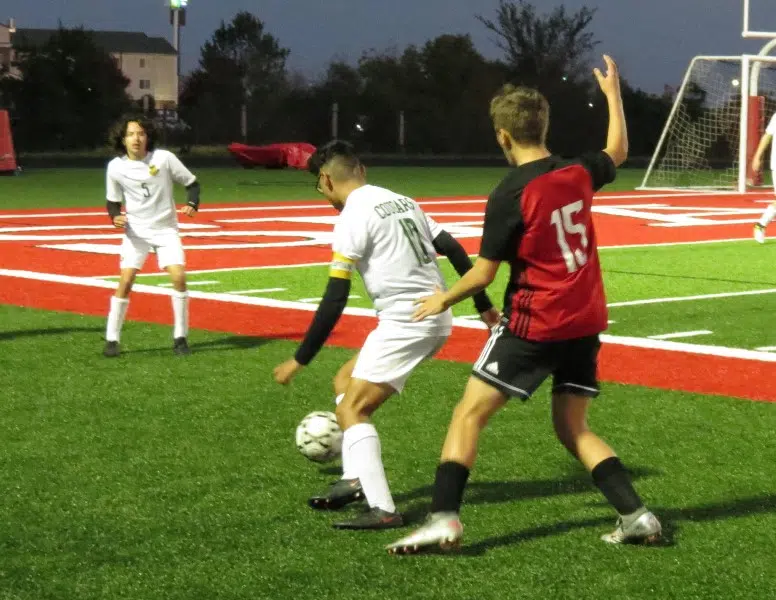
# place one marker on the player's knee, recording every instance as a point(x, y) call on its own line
point(472, 414)
point(354, 408)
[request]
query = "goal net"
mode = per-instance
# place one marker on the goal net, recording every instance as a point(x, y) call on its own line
point(711, 136)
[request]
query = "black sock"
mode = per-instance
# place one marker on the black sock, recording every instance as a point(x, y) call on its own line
point(614, 482)
point(448, 487)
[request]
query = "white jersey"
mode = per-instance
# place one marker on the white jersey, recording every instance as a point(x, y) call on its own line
point(771, 130)
point(146, 187)
point(389, 238)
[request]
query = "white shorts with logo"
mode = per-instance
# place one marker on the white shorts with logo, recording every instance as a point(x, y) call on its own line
point(166, 243)
point(393, 350)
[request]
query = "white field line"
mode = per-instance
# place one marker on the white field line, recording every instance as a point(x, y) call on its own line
point(766, 348)
point(318, 300)
point(261, 291)
point(680, 334)
point(690, 298)
point(253, 208)
point(190, 283)
point(321, 264)
point(269, 302)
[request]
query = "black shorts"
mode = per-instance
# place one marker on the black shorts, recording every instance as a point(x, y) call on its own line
point(517, 367)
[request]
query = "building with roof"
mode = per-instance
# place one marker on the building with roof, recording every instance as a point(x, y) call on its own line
point(150, 63)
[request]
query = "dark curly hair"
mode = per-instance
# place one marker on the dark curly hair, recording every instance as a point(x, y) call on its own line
point(120, 132)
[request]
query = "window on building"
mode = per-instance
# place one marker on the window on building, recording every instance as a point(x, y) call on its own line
point(145, 84)
point(142, 63)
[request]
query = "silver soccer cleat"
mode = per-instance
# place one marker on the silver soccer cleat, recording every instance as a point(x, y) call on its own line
point(443, 530)
point(644, 530)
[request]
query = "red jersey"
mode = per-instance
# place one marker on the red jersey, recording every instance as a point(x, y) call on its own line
point(539, 220)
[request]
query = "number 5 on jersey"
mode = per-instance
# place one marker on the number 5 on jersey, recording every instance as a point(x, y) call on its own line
point(562, 218)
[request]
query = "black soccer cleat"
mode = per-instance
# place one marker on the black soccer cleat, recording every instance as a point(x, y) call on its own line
point(374, 518)
point(181, 347)
point(339, 494)
point(111, 350)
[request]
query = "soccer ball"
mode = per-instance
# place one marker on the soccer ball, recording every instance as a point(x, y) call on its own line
point(319, 437)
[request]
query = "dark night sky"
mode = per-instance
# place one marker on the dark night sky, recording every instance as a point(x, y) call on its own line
point(653, 40)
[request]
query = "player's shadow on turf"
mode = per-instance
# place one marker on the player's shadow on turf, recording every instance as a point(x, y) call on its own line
point(493, 492)
point(21, 333)
point(232, 342)
point(670, 518)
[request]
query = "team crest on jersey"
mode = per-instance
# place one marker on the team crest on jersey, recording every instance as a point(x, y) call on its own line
point(153, 169)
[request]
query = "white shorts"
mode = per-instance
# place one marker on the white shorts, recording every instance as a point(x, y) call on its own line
point(165, 242)
point(393, 350)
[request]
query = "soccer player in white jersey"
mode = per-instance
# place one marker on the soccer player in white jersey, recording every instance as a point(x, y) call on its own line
point(142, 178)
point(392, 243)
point(757, 165)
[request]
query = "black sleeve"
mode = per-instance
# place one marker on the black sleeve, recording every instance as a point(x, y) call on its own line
point(114, 209)
point(447, 245)
point(601, 168)
point(192, 193)
point(503, 226)
point(329, 311)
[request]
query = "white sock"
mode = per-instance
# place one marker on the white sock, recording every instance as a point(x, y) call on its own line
point(118, 310)
point(180, 311)
point(768, 215)
point(347, 463)
point(363, 444)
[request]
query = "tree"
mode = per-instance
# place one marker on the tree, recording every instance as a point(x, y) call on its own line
point(543, 48)
point(69, 94)
point(242, 71)
point(551, 53)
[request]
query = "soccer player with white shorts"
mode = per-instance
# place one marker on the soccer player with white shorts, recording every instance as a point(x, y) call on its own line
point(391, 242)
point(757, 165)
point(143, 180)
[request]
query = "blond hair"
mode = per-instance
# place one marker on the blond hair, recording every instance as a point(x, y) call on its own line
point(522, 112)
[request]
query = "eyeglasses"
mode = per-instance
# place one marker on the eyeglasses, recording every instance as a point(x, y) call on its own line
point(318, 187)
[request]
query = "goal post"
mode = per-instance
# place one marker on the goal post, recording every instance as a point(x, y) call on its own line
point(715, 124)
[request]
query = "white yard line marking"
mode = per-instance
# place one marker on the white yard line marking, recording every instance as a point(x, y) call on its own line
point(766, 348)
point(318, 300)
point(431, 202)
point(261, 291)
point(368, 312)
point(169, 285)
point(689, 298)
point(321, 264)
point(680, 334)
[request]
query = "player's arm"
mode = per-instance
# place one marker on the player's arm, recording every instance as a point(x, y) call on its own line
point(329, 311)
point(476, 279)
point(181, 175)
point(617, 135)
point(757, 159)
point(500, 239)
point(448, 246)
point(114, 196)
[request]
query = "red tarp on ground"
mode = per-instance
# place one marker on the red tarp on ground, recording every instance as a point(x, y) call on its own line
point(294, 155)
point(7, 154)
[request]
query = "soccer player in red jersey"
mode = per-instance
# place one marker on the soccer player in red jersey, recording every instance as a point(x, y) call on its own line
point(539, 221)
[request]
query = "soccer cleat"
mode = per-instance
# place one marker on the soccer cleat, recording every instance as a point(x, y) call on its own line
point(759, 233)
point(111, 350)
point(374, 518)
point(339, 494)
point(442, 530)
point(644, 530)
point(181, 347)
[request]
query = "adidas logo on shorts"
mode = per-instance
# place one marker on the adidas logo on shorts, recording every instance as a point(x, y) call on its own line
point(492, 368)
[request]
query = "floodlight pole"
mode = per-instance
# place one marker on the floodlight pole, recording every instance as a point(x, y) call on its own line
point(178, 19)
